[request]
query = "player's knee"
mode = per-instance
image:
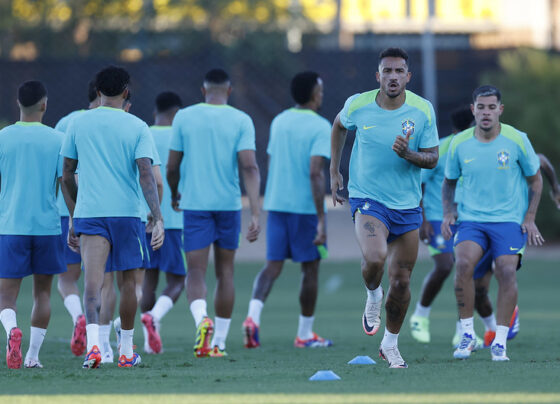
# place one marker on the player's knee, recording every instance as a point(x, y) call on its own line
point(374, 261)
point(400, 284)
point(464, 269)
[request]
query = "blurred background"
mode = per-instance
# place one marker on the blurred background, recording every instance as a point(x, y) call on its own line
point(454, 46)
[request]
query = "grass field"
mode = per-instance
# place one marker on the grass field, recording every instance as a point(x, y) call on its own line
point(278, 373)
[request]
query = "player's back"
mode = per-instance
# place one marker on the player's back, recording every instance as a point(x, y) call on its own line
point(107, 142)
point(30, 165)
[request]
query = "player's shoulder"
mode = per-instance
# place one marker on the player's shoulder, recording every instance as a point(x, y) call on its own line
point(515, 135)
point(460, 139)
point(360, 100)
point(423, 105)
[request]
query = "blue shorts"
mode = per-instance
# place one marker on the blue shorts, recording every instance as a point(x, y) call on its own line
point(497, 238)
point(291, 235)
point(123, 233)
point(202, 228)
point(397, 221)
point(70, 257)
point(437, 244)
point(145, 248)
point(169, 258)
point(484, 265)
point(21, 256)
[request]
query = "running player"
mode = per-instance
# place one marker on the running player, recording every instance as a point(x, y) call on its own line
point(214, 138)
point(492, 158)
point(113, 147)
point(30, 166)
point(396, 136)
point(295, 197)
point(169, 258)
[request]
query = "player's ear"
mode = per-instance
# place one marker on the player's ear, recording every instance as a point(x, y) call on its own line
point(203, 91)
point(501, 108)
point(44, 104)
point(377, 76)
point(229, 90)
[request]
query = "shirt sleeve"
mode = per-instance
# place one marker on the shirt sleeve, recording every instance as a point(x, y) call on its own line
point(156, 160)
point(69, 143)
point(62, 125)
point(345, 116)
point(529, 161)
point(247, 135)
point(452, 165)
point(145, 144)
point(176, 137)
point(429, 137)
point(322, 141)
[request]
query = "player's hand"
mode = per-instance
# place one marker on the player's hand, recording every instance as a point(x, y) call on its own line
point(158, 234)
point(73, 240)
point(426, 231)
point(254, 229)
point(150, 223)
point(534, 236)
point(400, 146)
point(337, 184)
point(321, 236)
point(448, 221)
point(175, 202)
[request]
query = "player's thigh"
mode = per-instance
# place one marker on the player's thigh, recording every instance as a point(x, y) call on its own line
point(371, 234)
point(95, 250)
point(467, 254)
point(197, 260)
point(223, 261)
point(506, 266)
point(403, 252)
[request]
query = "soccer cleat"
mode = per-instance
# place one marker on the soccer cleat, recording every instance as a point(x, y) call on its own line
point(466, 346)
point(125, 362)
point(107, 355)
point(92, 359)
point(420, 328)
point(456, 339)
point(498, 352)
point(489, 338)
point(513, 324)
point(32, 363)
point(313, 342)
point(216, 352)
point(204, 333)
point(371, 319)
point(13, 350)
point(78, 342)
point(154, 340)
point(393, 357)
point(251, 333)
point(118, 329)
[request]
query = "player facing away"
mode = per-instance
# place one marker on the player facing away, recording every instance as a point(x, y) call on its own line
point(113, 148)
point(169, 258)
point(68, 281)
point(396, 136)
point(215, 139)
point(495, 213)
point(295, 197)
point(30, 166)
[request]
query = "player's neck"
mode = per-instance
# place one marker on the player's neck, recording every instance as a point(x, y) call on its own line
point(32, 117)
point(309, 105)
point(390, 103)
point(163, 121)
point(215, 99)
point(487, 136)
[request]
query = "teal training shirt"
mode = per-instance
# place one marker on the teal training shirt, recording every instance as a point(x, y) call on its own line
point(210, 136)
point(493, 188)
point(376, 171)
point(30, 165)
point(433, 181)
point(295, 136)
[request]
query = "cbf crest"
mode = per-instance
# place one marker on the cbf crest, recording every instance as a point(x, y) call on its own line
point(503, 160)
point(408, 127)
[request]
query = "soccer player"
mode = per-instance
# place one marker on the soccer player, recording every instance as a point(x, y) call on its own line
point(492, 158)
point(68, 281)
point(112, 147)
point(30, 166)
point(169, 258)
point(295, 197)
point(548, 171)
point(396, 136)
point(214, 138)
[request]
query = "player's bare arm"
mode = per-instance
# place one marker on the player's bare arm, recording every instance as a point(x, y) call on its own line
point(426, 229)
point(318, 191)
point(173, 177)
point(338, 138)
point(149, 188)
point(252, 180)
point(449, 207)
point(69, 184)
point(423, 158)
point(548, 170)
point(528, 226)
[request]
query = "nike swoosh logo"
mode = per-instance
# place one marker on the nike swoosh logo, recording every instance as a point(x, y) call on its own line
point(367, 328)
point(368, 127)
point(513, 249)
point(467, 161)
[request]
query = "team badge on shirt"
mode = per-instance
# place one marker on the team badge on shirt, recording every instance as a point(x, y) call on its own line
point(366, 206)
point(408, 127)
point(503, 159)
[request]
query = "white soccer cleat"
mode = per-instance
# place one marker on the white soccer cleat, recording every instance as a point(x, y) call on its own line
point(466, 346)
point(393, 357)
point(498, 352)
point(107, 355)
point(371, 320)
point(32, 363)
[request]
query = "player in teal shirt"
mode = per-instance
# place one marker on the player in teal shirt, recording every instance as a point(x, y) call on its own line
point(396, 136)
point(494, 159)
point(214, 138)
point(30, 166)
point(298, 146)
point(112, 147)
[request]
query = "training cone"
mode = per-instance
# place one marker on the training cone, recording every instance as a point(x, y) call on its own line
point(324, 375)
point(362, 360)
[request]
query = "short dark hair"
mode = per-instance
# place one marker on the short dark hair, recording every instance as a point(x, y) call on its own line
point(112, 80)
point(462, 118)
point(216, 76)
point(92, 91)
point(393, 53)
point(302, 86)
point(31, 92)
point(486, 91)
point(167, 100)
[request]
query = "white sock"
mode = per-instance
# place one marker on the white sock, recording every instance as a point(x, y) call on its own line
point(198, 310)
point(422, 311)
point(162, 306)
point(467, 325)
point(489, 322)
point(74, 306)
point(104, 333)
point(305, 327)
point(8, 319)
point(92, 332)
point(390, 339)
point(255, 309)
point(127, 337)
point(501, 335)
point(221, 329)
point(36, 338)
point(375, 295)
point(458, 327)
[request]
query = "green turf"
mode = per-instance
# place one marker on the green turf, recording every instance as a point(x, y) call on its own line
point(277, 367)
